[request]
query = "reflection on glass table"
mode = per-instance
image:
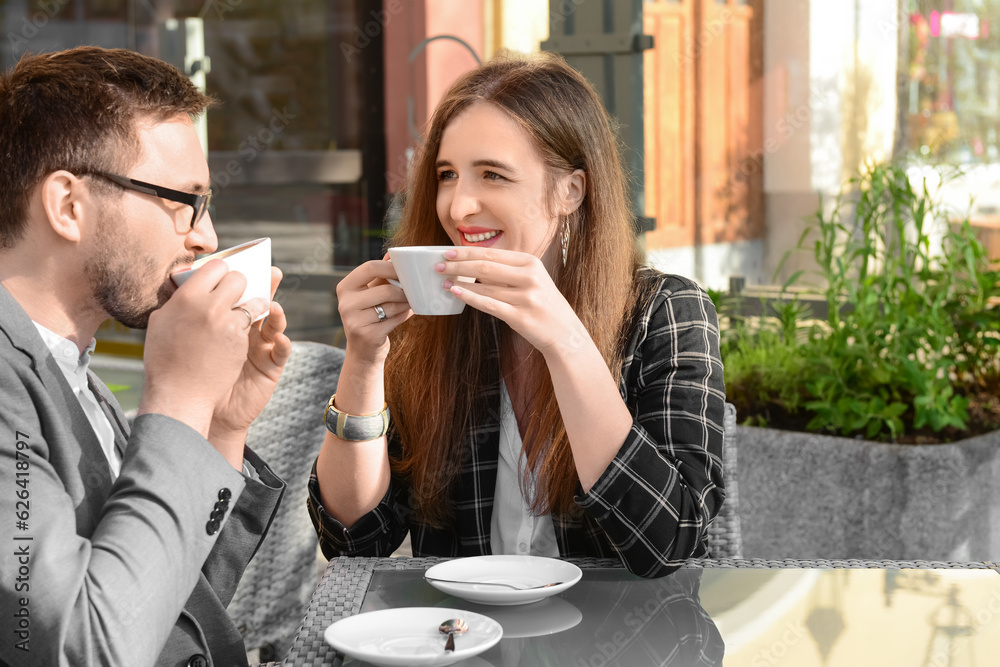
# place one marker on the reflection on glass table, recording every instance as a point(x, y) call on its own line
point(609, 618)
point(856, 617)
point(748, 617)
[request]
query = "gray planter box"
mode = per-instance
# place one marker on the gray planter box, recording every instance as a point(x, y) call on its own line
point(815, 496)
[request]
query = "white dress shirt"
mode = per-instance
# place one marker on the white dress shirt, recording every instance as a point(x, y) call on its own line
point(514, 529)
point(74, 366)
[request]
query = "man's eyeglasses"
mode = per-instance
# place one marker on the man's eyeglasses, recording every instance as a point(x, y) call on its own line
point(199, 202)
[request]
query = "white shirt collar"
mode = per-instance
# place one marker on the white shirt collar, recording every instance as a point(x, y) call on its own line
point(65, 351)
point(74, 365)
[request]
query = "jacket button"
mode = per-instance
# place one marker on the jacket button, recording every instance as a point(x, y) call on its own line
point(225, 494)
point(212, 527)
point(221, 506)
point(197, 660)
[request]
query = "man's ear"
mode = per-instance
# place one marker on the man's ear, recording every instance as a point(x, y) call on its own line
point(574, 189)
point(62, 197)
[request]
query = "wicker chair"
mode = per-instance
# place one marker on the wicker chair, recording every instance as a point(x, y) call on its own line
point(275, 589)
point(724, 539)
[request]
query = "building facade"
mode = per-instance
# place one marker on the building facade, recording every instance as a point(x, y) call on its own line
point(737, 115)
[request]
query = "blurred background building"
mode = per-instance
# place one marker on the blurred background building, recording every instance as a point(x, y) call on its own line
point(735, 115)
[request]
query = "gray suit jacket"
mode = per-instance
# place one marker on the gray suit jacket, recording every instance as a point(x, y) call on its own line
point(124, 573)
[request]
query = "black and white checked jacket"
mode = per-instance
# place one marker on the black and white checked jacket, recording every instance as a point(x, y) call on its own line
point(651, 507)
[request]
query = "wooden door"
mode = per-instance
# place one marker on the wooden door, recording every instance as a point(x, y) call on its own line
point(704, 171)
point(669, 115)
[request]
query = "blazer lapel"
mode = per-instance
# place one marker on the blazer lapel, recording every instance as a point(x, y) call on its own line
point(112, 409)
point(480, 459)
point(92, 463)
point(90, 446)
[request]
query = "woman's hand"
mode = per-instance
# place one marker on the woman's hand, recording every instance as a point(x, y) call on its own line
point(353, 476)
point(357, 295)
point(515, 287)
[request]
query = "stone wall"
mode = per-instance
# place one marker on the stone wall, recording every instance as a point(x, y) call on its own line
point(813, 496)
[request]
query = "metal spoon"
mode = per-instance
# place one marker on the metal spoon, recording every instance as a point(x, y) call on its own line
point(493, 583)
point(452, 627)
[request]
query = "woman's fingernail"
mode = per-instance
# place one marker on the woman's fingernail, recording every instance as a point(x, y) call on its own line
point(447, 284)
point(456, 290)
point(451, 254)
point(439, 267)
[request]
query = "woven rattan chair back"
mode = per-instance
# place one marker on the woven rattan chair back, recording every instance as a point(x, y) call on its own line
point(724, 539)
point(274, 592)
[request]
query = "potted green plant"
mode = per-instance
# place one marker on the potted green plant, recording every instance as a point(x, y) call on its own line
point(872, 431)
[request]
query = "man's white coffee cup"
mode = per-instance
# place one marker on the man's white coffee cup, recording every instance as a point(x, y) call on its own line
point(252, 259)
point(421, 283)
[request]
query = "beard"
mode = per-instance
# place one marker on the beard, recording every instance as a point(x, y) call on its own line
point(126, 284)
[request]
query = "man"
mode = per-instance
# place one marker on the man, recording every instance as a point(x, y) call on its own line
point(121, 546)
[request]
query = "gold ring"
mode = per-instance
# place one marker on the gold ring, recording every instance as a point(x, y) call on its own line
point(249, 316)
point(380, 313)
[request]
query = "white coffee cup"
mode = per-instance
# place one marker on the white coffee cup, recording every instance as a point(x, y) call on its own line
point(252, 259)
point(421, 283)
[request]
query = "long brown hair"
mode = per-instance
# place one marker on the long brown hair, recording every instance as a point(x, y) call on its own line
point(437, 366)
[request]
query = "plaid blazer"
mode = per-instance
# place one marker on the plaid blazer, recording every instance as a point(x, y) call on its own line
point(652, 505)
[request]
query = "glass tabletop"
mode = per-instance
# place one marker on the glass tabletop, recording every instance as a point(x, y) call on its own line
point(747, 617)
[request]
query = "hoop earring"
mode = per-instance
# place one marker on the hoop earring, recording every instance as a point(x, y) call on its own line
point(565, 240)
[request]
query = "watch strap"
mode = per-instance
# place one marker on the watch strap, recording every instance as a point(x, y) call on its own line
point(357, 428)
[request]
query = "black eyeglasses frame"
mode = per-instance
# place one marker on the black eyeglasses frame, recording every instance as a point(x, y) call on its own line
point(199, 202)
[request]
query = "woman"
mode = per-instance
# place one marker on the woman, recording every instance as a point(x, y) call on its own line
point(509, 430)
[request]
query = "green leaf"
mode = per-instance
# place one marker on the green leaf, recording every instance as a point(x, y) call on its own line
point(894, 410)
point(893, 291)
point(791, 281)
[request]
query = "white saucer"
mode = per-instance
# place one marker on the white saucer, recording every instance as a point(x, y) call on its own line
point(409, 636)
point(520, 571)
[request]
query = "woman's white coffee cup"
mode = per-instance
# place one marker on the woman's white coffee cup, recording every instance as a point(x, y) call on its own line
point(421, 283)
point(252, 259)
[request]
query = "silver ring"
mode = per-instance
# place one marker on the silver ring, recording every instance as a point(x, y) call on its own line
point(380, 313)
point(249, 316)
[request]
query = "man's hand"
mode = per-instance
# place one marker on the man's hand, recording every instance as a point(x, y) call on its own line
point(204, 367)
point(268, 351)
point(195, 347)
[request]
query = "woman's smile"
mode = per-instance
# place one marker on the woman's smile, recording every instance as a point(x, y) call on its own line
point(478, 236)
